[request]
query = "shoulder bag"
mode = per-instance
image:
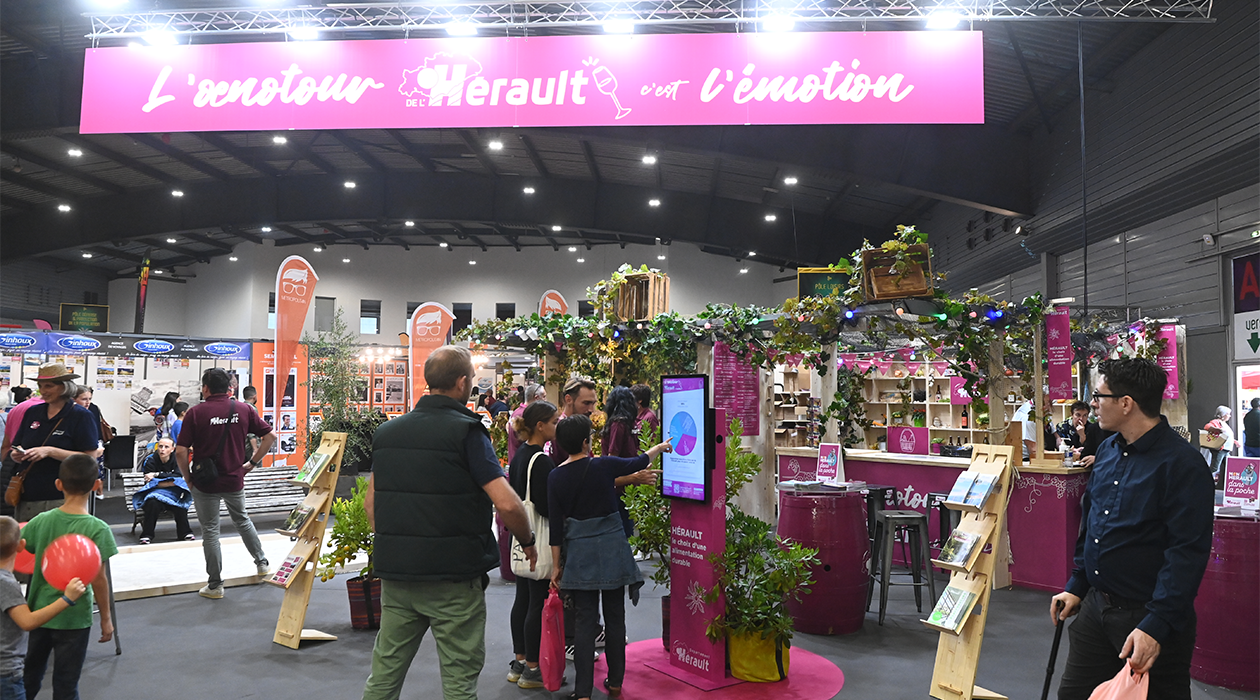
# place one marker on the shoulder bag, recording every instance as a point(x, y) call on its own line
point(204, 471)
point(17, 482)
point(542, 536)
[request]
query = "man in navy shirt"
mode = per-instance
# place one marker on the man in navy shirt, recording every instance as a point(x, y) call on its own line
point(1141, 554)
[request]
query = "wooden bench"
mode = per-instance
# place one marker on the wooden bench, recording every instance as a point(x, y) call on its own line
point(267, 490)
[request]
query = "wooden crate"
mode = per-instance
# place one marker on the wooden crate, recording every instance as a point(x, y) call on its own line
point(882, 284)
point(643, 296)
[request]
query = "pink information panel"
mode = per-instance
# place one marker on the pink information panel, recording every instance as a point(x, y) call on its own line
point(736, 388)
point(910, 441)
point(640, 80)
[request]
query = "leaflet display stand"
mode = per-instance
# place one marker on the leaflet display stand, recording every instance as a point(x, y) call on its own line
point(296, 574)
point(958, 652)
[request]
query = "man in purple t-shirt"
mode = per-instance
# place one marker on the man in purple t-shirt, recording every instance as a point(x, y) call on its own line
point(202, 433)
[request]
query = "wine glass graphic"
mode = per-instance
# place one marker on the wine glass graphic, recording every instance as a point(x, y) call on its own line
point(606, 83)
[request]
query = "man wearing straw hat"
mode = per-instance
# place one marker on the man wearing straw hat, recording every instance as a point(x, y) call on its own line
point(50, 432)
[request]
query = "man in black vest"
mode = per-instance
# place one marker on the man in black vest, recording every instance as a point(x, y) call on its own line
point(434, 479)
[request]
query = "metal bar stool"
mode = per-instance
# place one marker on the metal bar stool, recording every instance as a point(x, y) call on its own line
point(913, 525)
point(946, 518)
point(878, 497)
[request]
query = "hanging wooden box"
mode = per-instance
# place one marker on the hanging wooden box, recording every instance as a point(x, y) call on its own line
point(882, 284)
point(643, 296)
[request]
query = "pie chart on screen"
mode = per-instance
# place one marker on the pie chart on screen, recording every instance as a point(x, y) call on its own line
point(682, 433)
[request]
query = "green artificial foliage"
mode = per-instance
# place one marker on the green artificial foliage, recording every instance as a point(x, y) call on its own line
point(650, 511)
point(741, 466)
point(351, 533)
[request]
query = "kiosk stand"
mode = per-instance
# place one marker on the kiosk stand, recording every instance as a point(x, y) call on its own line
point(965, 602)
point(307, 524)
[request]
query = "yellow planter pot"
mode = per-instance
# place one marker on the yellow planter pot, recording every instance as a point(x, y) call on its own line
point(754, 659)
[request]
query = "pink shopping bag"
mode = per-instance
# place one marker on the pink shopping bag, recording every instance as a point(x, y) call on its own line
point(551, 650)
point(1125, 686)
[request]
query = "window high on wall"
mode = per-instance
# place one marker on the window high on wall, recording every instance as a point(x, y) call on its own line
point(463, 316)
point(585, 308)
point(325, 309)
point(271, 310)
point(504, 311)
point(369, 316)
point(411, 309)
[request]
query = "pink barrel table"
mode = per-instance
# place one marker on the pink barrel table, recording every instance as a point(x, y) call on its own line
point(835, 524)
point(1227, 645)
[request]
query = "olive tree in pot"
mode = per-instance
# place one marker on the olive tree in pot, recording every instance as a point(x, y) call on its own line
point(336, 391)
point(351, 537)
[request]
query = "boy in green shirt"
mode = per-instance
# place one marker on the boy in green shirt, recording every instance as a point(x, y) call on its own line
point(67, 635)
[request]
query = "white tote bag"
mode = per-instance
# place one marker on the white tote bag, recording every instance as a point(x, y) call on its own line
point(542, 536)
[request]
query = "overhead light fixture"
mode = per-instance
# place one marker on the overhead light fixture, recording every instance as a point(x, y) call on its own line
point(555, 228)
point(495, 145)
point(171, 240)
point(581, 260)
point(409, 224)
point(528, 190)
point(472, 262)
point(943, 19)
point(660, 257)
point(177, 193)
point(752, 253)
point(157, 272)
point(87, 255)
point(777, 23)
point(743, 270)
point(279, 140)
point(160, 37)
point(619, 26)
point(649, 160)
point(654, 202)
point(74, 152)
point(461, 28)
point(789, 180)
point(345, 260)
point(304, 33)
point(265, 229)
point(233, 258)
point(772, 217)
point(572, 249)
point(444, 244)
point(318, 249)
point(350, 184)
point(63, 207)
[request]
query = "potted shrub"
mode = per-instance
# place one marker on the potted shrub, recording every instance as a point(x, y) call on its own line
point(918, 418)
point(351, 537)
point(336, 388)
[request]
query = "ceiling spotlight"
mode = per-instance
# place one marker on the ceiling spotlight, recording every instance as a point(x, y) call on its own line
point(265, 229)
point(160, 37)
point(87, 255)
point(654, 202)
point(345, 260)
point(304, 33)
point(619, 26)
point(177, 193)
point(660, 257)
point(233, 258)
point(743, 270)
point(472, 262)
point(495, 145)
point(649, 160)
point(170, 240)
point(318, 249)
point(555, 228)
point(777, 23)
point(572, 249)
point(528, 190)
point(444, 244)
point(63, 207)
point(581, 260)
point(752, 253)
point(157, 272)
point(279, 140)
point(771, 217)
point(461, 29)
point(350, 184)
point(74, 152)
point(943, 20)
point(409, 224)
point(789, 180)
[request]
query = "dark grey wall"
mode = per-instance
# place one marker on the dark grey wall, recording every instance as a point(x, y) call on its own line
point(33, 289)
point(1209, 380)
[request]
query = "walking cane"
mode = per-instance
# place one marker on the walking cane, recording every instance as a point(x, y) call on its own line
point(1054, 649)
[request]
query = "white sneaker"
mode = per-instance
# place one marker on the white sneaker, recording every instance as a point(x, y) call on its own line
point(211, 593)
point(264, 569)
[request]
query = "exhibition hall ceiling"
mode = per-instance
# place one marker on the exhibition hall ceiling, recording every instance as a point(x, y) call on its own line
point(793, 195)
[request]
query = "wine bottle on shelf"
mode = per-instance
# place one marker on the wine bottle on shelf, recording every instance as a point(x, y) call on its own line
point(938, 394)
point(964, 418)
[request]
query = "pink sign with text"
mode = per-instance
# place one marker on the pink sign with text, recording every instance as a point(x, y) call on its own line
point(1241, 481)
point(601, 80)
point(1059, 354)
point(1168, 360)
point(908, 441)
point(830, 462)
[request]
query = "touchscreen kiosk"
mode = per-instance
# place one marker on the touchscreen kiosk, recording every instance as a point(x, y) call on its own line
point(685, 418)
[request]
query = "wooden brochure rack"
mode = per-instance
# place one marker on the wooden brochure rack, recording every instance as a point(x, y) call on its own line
point(296, 574)
point(957, 654)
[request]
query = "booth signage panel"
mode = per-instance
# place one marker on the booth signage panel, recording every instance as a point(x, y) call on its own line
point(84, 317)
point(1241, 476)
point(29, 343)
point(113, 345)
point(820, 282)
point(737, 388)
point(910, 441)
point(924, 77)
point(1060, 354)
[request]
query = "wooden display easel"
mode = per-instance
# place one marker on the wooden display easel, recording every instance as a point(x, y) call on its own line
point(954, 675)
point(304, 557)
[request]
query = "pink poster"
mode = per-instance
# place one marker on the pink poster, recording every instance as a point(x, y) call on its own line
point(829, 461)
point(697, 532)
point(736, 388)
point(958, 391)
point(909, 441)
point(1240, 481)
point(1059, 353)
point(921, 77)
point(1168, 360)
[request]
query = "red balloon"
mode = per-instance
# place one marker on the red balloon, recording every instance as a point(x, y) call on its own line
point(25, 561)
point(70, 556)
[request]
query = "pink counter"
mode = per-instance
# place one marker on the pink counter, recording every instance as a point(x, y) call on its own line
point(1043, 516)
point(1227, 645)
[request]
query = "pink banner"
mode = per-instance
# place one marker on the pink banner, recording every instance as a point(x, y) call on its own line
point(1241, 480)
point(883, 365)
point(958, 391)
point(940, 368)
point(910, 441)
point(697, 532)
point(1059, 353)
point(1168, 360)
point(913, 367)
point(736, 388)
point(847, 358)
point(863, 365)
point(599, 80)
point(905, 353)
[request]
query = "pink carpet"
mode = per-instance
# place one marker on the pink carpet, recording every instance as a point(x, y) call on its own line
point(811, 677)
